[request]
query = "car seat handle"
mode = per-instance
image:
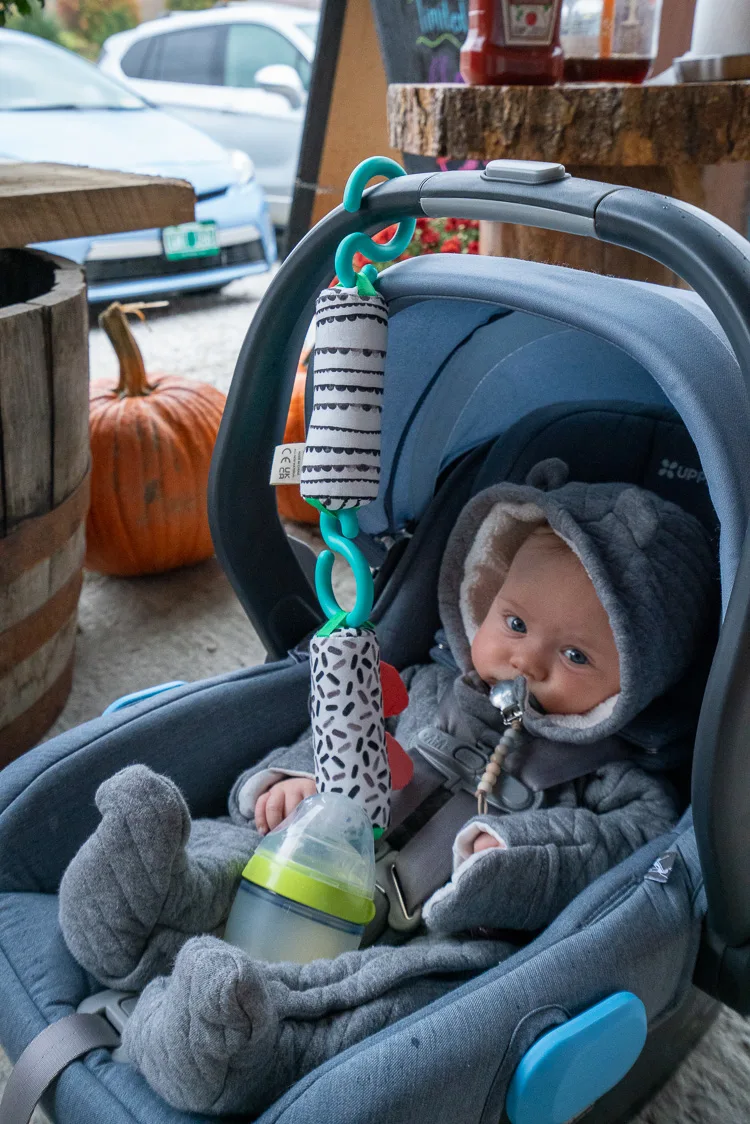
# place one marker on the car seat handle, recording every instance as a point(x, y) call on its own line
point(278, 598)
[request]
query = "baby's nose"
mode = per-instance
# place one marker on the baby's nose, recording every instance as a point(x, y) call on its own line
point(528, 662)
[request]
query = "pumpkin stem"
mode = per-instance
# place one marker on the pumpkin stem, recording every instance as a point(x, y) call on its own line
point(133, 381)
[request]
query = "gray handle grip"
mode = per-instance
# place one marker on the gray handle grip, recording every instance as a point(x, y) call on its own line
point(566, 204)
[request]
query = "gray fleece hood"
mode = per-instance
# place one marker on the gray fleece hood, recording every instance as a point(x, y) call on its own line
point(651, 564)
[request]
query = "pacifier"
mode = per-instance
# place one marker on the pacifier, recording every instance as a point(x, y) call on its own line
point(509, 696)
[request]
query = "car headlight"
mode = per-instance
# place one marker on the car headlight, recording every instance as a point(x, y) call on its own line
point(242, 165)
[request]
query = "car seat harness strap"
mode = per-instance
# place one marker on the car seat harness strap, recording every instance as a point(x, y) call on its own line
point(46, 1056)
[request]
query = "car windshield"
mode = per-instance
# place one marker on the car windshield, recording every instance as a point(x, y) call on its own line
point(34, 78)
point(309, 29)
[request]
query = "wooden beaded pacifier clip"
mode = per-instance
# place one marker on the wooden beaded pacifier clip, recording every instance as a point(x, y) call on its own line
point(504, 697)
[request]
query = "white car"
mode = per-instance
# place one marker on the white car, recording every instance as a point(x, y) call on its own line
point(240, 73)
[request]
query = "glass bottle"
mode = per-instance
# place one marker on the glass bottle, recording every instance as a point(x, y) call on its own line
point(609, 40)
point(511, 43)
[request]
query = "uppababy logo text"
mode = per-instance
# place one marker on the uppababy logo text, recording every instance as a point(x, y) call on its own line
point(670, 469)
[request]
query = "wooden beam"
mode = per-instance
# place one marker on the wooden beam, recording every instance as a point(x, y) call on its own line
point(48, 202)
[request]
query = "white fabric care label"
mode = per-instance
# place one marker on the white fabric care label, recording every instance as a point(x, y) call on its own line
point(287, 463)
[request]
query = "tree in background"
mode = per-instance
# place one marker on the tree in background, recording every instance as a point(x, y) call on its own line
point(15, 9)
point(189, 5)
point(32, 19)
point(88, 23)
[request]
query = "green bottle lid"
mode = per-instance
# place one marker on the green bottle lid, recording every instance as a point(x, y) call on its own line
point(300, 884)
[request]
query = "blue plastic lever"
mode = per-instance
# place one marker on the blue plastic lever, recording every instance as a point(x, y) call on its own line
point(570, 1067)
point(139, 696)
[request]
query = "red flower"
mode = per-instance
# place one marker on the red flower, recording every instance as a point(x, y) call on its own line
point(452, 225)
point(451, 246)
point(395, 699)
point(359, 260)
point(423, 224)
point(384, 236)
point(430, 237)
point(473, 247)
point(471, 224)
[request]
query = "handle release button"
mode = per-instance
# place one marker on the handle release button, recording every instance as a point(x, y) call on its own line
point(524, 171)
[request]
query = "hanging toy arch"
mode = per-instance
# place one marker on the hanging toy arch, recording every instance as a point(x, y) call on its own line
point(354, 754)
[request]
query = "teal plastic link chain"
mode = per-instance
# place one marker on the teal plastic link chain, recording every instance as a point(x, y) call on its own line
point(362, 243)
point(338, 531)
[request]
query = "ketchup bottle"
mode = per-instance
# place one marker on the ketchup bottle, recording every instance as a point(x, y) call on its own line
point(513, 44)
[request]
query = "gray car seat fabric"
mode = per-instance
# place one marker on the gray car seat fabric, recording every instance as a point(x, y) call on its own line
point(201, 735)
point(625, 932)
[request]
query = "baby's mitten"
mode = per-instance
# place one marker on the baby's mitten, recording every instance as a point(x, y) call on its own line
point(498, 888)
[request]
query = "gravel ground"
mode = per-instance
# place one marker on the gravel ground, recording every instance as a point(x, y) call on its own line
point(196, 336)
point(189, 625)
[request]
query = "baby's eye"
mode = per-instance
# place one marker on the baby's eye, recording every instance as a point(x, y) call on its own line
point(515, 624)
point(575, 655)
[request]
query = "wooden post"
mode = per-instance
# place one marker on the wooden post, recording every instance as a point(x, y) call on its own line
point(346, 116)
point(686, 141)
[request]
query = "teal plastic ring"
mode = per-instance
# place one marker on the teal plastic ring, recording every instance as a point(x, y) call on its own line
point(331, 530)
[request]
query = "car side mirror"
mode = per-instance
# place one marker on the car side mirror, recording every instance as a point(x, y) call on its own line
point(280, 78)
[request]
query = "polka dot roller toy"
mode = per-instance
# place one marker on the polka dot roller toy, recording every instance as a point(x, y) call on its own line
point(347, 720)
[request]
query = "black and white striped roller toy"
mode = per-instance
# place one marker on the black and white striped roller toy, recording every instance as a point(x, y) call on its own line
point(341, 465)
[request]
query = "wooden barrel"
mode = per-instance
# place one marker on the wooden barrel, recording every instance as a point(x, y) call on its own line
point(44, 473)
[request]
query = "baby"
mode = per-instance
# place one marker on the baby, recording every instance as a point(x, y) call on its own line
point(598, 595)
point(545, 623)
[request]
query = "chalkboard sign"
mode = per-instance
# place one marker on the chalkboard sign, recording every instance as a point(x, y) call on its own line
point(420, 41)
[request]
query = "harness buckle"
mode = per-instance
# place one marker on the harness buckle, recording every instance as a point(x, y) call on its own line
point(387, 881)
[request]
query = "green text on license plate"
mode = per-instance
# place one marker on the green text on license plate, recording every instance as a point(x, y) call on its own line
point(190, 240)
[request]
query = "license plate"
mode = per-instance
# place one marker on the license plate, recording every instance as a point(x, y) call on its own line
point(190, 240)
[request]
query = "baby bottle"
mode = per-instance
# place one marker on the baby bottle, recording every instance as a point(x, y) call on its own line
point(308, 891)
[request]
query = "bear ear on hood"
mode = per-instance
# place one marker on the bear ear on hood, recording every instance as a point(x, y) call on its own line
point(638, 511)
point(548, 475)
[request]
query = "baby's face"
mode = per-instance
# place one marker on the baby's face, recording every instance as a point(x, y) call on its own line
point(547, 624)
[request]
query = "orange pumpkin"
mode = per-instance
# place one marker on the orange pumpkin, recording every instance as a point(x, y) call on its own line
point(288, 500)
point(151, 445)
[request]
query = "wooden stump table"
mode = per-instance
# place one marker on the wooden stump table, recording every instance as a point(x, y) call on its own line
point(44, 420)
point(668, 139)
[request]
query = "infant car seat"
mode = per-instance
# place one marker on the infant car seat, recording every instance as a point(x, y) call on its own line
point(492, 365)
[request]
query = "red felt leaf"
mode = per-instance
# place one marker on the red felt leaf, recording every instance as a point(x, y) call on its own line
point(395, 696)
point(402, 766)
